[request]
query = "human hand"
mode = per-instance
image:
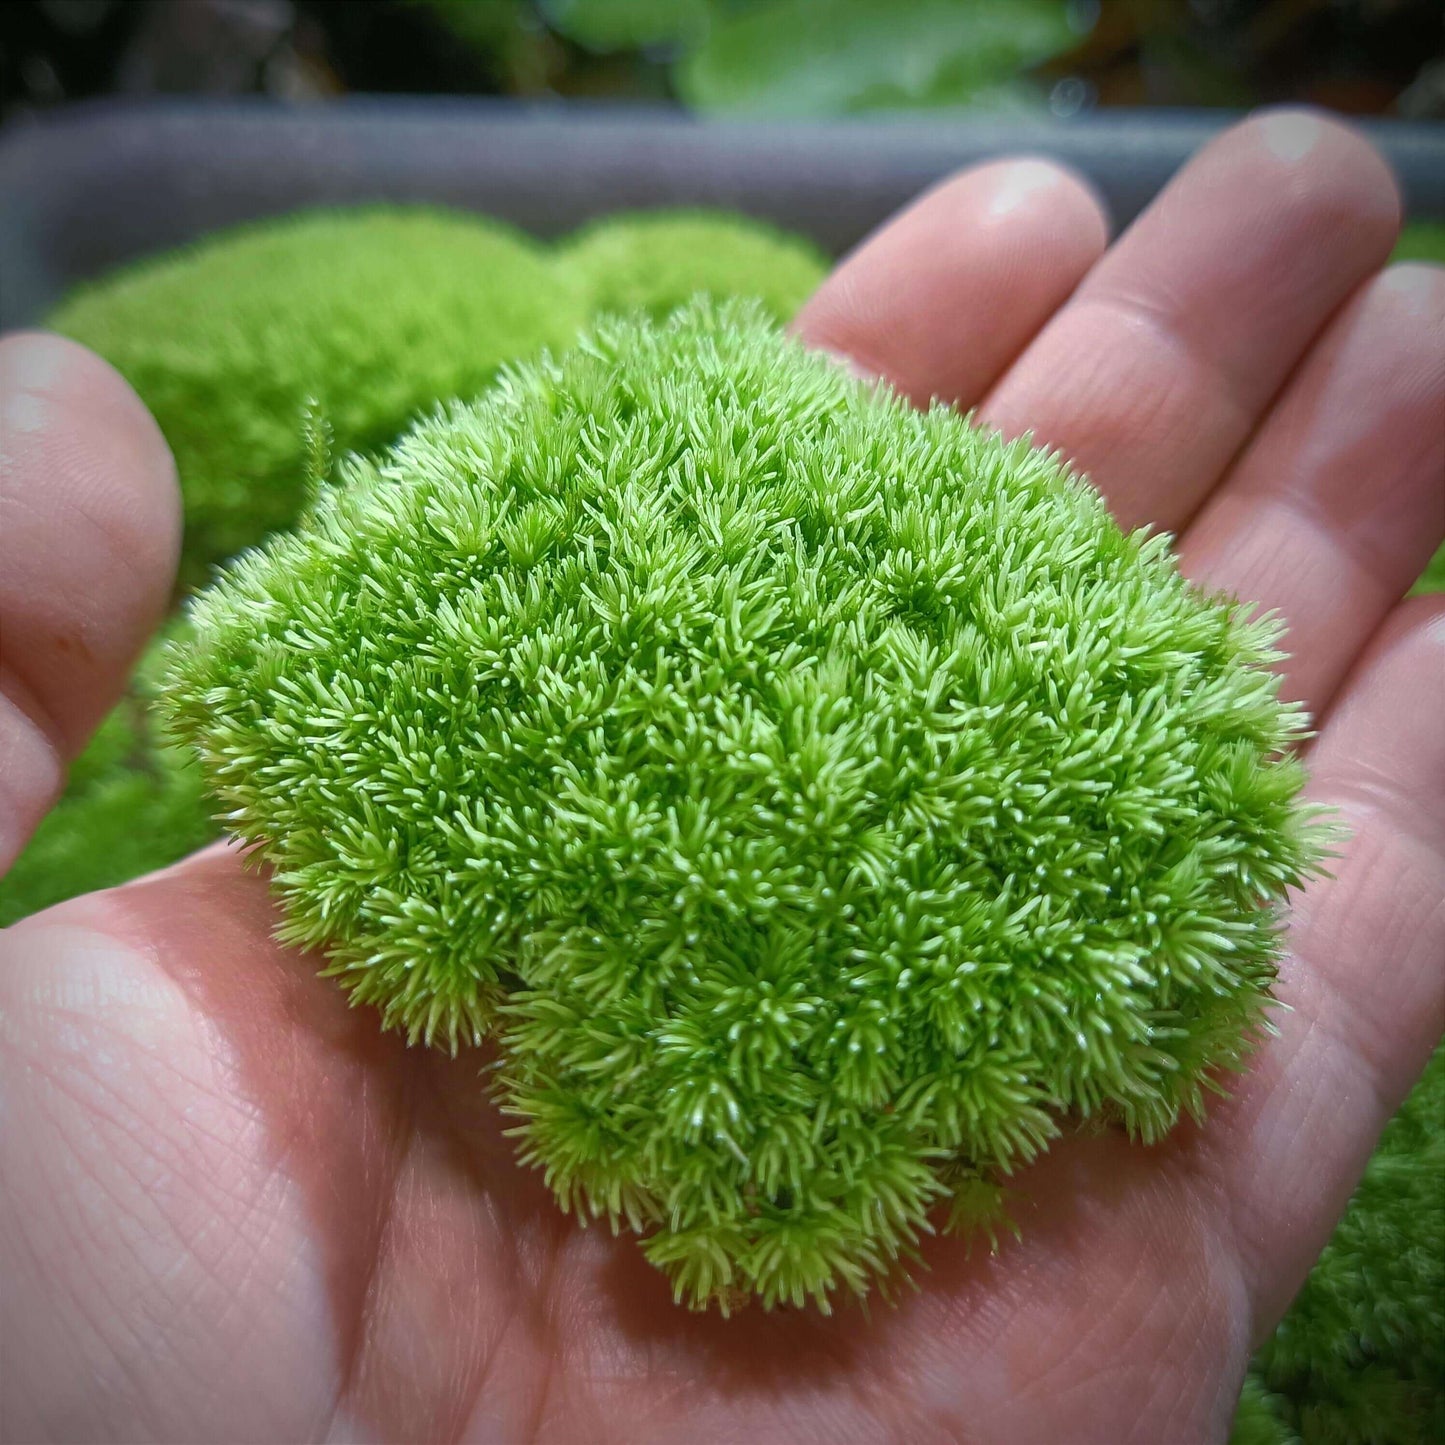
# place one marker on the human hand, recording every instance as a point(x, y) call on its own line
point(230, 1208)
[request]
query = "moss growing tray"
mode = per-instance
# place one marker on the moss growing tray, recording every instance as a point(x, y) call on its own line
point(87, 187)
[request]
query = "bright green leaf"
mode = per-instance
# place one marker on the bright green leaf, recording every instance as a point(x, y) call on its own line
point(798, 57)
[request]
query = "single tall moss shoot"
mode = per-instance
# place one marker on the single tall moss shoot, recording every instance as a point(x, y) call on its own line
point(814, 798)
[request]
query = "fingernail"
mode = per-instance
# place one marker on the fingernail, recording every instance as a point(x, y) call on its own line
point(29, 365)
point(1291, 135)
point(1019, 182)
point(1416, 286)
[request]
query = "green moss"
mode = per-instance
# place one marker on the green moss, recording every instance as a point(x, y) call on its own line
point(815, 798)
point(136, 819)
point(377, 315)
point(124, 813)
point(1259, 1418)
point(134, 803)
point(1421, 241)
point(656, 261)
point(1360, 1358)
point(1433, 578)
point(374, 313)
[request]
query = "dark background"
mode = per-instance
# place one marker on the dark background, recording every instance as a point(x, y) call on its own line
point(1364, 57)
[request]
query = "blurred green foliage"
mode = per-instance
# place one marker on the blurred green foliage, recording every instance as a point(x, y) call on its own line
point(831, 57)
point(797, 58)
point(606, 25)
point(806, 57)
point(793, 57)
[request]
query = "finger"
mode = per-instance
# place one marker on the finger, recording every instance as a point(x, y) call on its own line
point(943, 297)
point(1340, 500)
point(1151, 378)
point(1364, 976)
point(89, 531)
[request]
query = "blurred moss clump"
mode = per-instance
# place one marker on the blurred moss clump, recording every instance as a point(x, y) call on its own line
point(373, 314)
point(133, 803)
point(1422, 241)
point(656, 260)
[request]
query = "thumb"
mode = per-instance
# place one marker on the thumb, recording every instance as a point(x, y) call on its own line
point(89, 534)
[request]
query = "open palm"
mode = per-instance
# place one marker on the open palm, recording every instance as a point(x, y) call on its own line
point(230, 1208)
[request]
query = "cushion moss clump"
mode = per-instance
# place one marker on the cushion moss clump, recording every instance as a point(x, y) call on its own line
point(372, 314)
point(657, 261)
point(815, 799)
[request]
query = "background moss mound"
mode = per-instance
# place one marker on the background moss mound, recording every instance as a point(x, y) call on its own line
point(814, 796)
point(374, 313)
point(1360, 1357)
point(1425, 241)
point(656, 261)
point(1422, 241)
